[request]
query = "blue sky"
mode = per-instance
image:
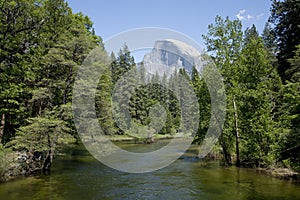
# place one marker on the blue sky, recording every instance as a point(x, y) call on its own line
point(190, 17)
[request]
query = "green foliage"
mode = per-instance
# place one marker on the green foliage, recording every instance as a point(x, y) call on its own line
point(258, 131)
point(124, 81)
point(146, 97)
point(203, 97)
point(103, 102)
point(42, 44)
point(291, 115)
point(122, 64)
point(19, 31)
point(294, 70)
point(39, 135)
point(285, 19)
point(250, 82)
point(3, 161)
point(224, 40)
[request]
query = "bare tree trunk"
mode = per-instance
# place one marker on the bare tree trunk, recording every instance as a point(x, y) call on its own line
point(2, 127)
point(40, 108)
point(238, 162)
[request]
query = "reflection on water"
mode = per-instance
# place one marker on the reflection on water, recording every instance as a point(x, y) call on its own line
point(77, 175)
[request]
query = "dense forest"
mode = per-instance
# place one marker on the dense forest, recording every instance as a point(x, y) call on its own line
point(43, 43)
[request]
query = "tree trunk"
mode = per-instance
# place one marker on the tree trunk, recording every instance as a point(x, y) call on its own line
point(47, 162)
point(50, 154)
point(227, 155)
point(2, 127)
point(238, 162)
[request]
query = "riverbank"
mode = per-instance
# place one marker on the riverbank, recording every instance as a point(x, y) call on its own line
point(18, 163)
point(281, 173)
point(122, 138)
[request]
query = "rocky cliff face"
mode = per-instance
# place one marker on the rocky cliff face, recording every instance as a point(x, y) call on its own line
point(169, 55)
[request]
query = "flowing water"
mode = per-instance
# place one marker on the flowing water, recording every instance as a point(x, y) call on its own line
point(77, 175)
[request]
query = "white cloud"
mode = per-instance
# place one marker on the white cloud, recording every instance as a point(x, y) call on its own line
point(249, 16)
point(259, 16)
point(242, 15)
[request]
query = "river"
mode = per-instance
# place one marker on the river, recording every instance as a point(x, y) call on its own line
point(77, 175)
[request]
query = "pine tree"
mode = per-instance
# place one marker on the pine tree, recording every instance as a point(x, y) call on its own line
point(285, 18)
point(124, 79)
point(203, 97)
point(258, 131)
point(291, 115)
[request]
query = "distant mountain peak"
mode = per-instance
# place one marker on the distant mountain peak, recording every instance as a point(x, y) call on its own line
point(169, 55)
